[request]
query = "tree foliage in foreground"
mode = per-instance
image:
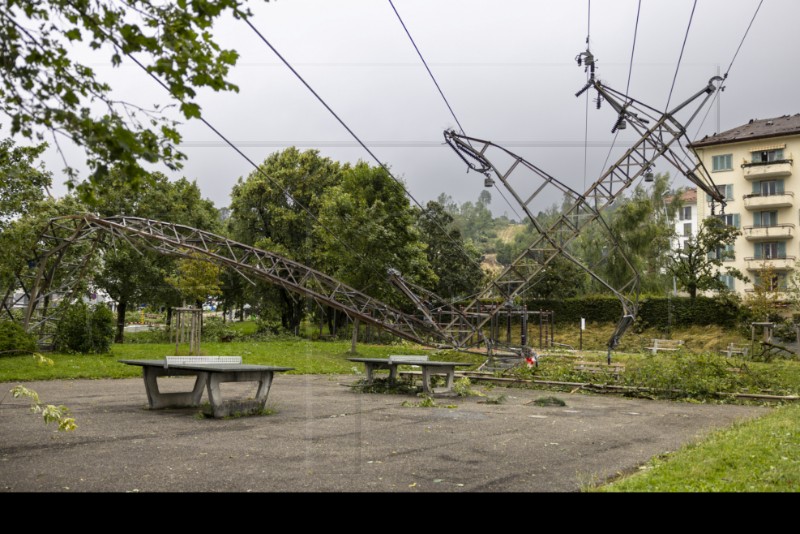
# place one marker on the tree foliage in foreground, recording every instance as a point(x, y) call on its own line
point(46, 91)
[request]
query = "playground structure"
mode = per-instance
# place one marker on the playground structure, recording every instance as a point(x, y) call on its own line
point(68, 245)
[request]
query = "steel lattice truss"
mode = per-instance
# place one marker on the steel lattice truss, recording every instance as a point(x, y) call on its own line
point(69, 244)
point(66, 233)
point(529, 185)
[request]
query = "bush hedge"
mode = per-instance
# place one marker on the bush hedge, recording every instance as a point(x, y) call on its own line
point(82, 329)
point(653, 311)
point(14, 339)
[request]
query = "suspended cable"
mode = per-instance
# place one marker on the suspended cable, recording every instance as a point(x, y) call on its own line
point(219, 134)
point(725, 76)
point(586, 141)
point(433, 78)
point(678, 66)
point(628, 86)
point(633, 48)
point(588, 22)
point(352, 133)
point(438, 88)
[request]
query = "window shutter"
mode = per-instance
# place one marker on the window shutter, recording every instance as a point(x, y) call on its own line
point(782, 249)
point(759, 251)
point(779, 187)
point(756, 188)
point(736, 222)
point(729, 192)
point(757, 218)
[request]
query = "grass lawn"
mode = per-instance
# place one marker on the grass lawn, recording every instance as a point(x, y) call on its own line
point(307, 357)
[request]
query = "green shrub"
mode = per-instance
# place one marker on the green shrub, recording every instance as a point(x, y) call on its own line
point(216, 330)
point(14, 339)
point(85, 330)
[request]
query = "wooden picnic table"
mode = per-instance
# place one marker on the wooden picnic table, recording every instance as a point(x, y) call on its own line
point(209, 376)
point(429, 369)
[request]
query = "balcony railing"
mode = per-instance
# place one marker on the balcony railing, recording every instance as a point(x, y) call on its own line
point(775, 231)
point(780, 263)
point(757, 201)
point(769, 169)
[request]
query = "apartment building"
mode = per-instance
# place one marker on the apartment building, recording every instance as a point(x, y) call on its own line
point(686, 217)
point(752, 165)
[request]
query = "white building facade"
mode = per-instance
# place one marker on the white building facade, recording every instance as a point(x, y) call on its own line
point(753, 165)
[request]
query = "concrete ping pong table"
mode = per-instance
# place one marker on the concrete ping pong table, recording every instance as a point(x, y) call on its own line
point(210, 371)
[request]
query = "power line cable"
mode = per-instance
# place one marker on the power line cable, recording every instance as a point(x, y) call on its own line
point(353, 134)
point(219, 134)
point(447, 103)
point(628, 86)
point(433, 78)
point(586, 117)
point(725, 76)
point(680, 57)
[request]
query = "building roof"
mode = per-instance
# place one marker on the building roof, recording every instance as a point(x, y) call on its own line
point(755, 129)
point(688, 196)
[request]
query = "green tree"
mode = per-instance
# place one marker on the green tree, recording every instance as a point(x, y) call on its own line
point(698, 266)
point(23, 182)
point(45, 90)
point(455, 263)
point(763, 302)
point(195, 279)
point(276, 208)
point(366, 226)
point(132, 276)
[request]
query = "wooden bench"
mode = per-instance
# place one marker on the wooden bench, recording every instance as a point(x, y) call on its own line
point(665, 344)
point(614, 369)
point(741, 350)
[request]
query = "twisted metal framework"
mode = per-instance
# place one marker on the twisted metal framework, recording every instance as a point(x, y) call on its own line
point(64, 233)
point(529, 185)
point(69, 243)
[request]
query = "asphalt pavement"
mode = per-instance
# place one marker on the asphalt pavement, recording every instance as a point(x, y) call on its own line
point(321, 436)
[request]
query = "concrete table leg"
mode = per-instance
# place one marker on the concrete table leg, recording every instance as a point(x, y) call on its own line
point(222, 408)
point(368, 369)
point(428, 373)
point(181, 399)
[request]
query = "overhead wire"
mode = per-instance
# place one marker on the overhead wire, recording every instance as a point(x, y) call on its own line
point(680, 57)
point(219, 134)
point(628, 86)
point(438, 87)
point(586, 118)
point(351, 132)
point(730, 66)
point(403, 24)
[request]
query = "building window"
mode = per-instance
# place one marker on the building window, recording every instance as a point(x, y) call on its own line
point(726, 190)
point(765, 219)
point(770, 251)
point(685, 213)
point(767, 156)
point(722, 163)
point(777, 282)
point(731, 219)
point(687, 229)
point(768, 188)
point(726, 253)
point(729, 281)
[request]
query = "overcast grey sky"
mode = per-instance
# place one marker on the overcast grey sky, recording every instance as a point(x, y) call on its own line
point(507, 67)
